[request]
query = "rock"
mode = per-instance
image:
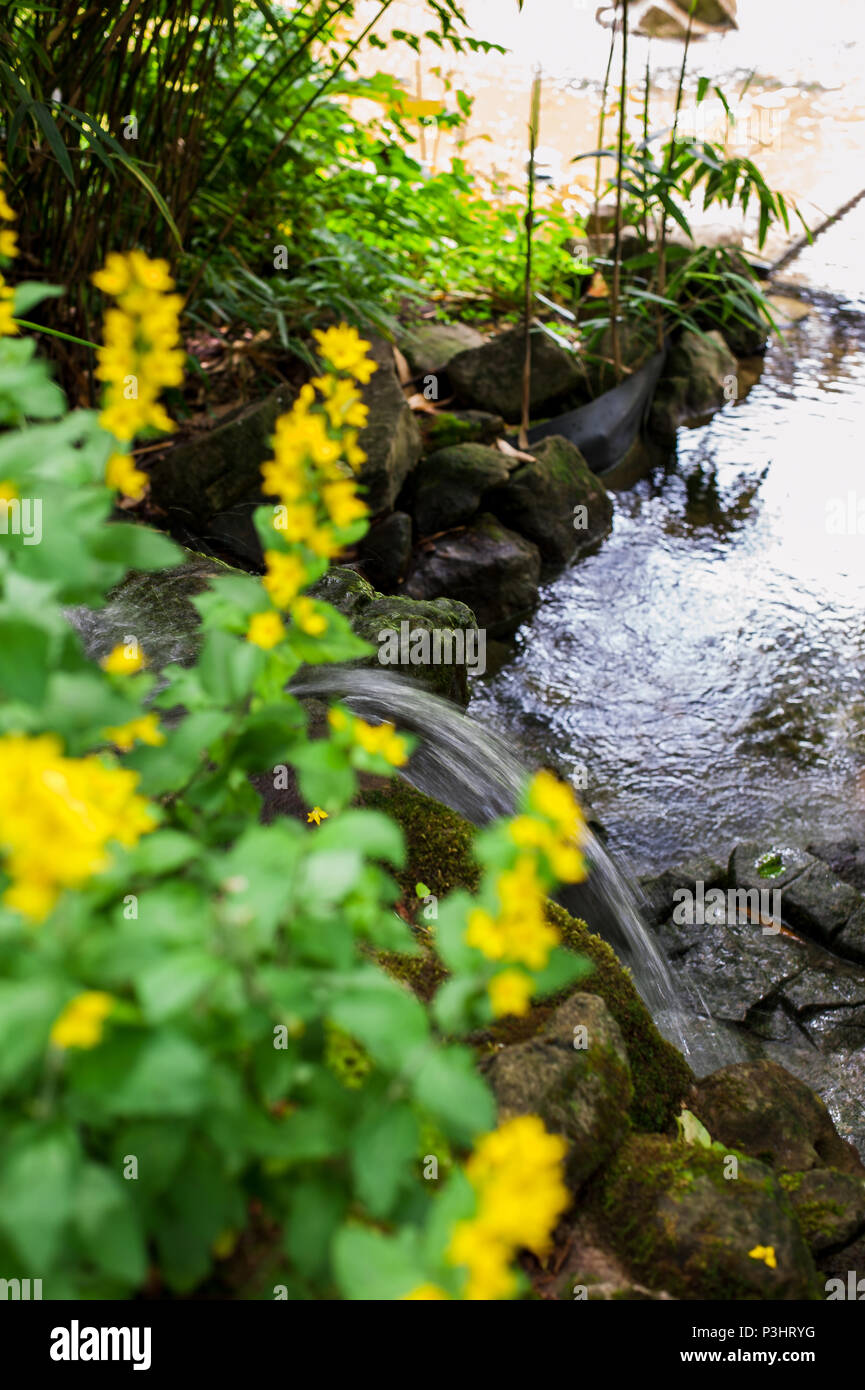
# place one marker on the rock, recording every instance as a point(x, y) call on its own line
point(385, 551)
point(684, 1226)
point(813, 900)
point(391, 440)
point(582, 1092)
point(430, 346)
point(156, 606)
point(489, 566)
point(214, 471)
point(829, 1206)
point(658, 889)
point(449, 484)
point(540, 501)
point(761, 1109)
point(490, 377)
point(733, 965)
point(845, 857)
point(693, 382)
point(371, 613)
point(449, 427)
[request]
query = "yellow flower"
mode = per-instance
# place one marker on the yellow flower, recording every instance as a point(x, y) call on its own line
point(266, 630)
point(556, 800)
point(8, 326)
point(316, 815)
point(337, 719)
point(6, 212)
point(426, 1291)
point(8, 243)
point(342, 502)
point(766, 1253)
point(140, 355)
point(516, 1172)
point(57, 818)
point(285, 577)
point(81, 1023)
point(510, 993)
point(124, 660)
point(145, 729)
point(8, 491)
point(382, 740)
point(121, 473)
point(307, 618)
point(345, 351)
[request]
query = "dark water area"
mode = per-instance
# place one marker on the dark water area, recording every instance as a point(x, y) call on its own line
point(706, 666)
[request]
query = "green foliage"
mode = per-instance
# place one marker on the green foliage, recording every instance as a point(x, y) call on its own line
point(252, 1051)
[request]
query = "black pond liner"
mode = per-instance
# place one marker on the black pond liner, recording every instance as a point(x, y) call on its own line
point(605, 429)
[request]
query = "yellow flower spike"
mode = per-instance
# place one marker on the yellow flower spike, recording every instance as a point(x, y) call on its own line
point(8, 326)
point(345, 351)
point(121, 473)
point(8, 244)
point(316, 816)
point(142, 730)
point(82, 1022)
point(766, 1253)
point(510, 992)
point(285, 577)
point(141, 352)
point(122, 662)
point(266, 630)
point(342, 502)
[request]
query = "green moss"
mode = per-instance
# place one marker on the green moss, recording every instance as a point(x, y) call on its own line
point(697, 1252)
point(770, 865)
point(439, 843)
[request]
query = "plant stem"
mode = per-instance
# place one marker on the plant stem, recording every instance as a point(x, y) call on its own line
point(602, 118)
point(617, 231)
point(534, 124)
point(671, 152)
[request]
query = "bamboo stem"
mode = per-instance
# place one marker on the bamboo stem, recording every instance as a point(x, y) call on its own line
point(534, 125)
point(617, 231)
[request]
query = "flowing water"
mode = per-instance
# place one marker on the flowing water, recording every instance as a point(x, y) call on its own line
point(706, 667)
point(474, 771)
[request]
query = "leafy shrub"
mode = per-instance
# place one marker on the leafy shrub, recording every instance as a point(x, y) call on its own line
point(192, 1019)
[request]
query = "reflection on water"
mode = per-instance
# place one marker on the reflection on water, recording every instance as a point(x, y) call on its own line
point(707, 665)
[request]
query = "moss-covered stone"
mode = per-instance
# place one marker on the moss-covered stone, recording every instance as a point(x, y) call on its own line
point(574, 1073)
point(684, 1224)
point(829, 1206)
point(439, 843)
point(449, 427)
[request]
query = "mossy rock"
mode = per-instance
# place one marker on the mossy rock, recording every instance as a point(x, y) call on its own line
point(448, 485)
point(829, 1206)
point(763, 1110)
point(574, 1073)
point(540, 500)
point(439, 844)
point(685, 1226)
point(488, 566)
point(450, 427)
point(371, 613)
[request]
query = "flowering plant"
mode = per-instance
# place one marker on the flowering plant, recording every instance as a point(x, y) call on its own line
point(194, 1024)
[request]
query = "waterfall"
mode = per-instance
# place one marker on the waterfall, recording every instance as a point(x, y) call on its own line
point(475, 772)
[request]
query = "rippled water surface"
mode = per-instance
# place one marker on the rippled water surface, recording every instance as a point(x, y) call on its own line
point(707, 664)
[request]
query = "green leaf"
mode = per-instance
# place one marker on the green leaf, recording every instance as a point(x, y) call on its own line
point(384, 1017)
point(136, 547)
point(108, 1225)
point(384, 1156)
point(378, 1268)
point(693, 1131)
point(37, 1181)
point(28, 1008)
point(161, 1074)
point(317, 1207)
point(24, 651)
point(447, 1085)
point(174, 984)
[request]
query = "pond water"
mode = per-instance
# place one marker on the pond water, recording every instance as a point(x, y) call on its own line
point(706, 667)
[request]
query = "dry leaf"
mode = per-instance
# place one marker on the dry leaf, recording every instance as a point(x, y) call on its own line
point(419, 402)
point(512, 453)
point(403, 370)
